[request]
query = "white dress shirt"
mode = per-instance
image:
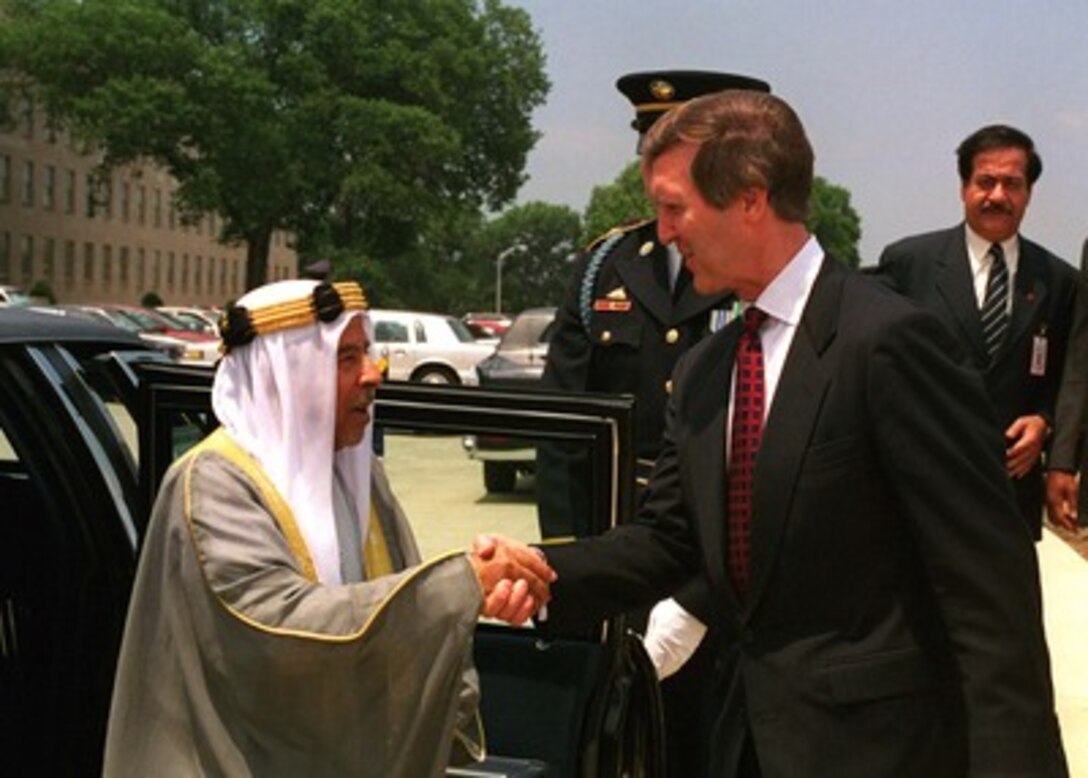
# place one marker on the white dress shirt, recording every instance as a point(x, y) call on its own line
point(978, 252)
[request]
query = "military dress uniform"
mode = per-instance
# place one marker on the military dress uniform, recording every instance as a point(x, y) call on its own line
point(621, 329)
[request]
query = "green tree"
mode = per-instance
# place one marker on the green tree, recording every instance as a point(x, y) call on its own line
point(834, 222)
point(832, 219)
point(622, 201)
point(537, 241)
point(353, 123)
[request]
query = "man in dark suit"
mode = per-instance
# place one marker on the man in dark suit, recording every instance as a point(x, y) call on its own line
point(1065, 500)
point(876, 589)
point(629, 313)
point(1020, 350)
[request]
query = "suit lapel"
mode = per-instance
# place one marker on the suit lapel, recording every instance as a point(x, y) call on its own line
point(957, 289)
point(790, 424)
point(638, 273)
point(1029, 296)
point(707, 423)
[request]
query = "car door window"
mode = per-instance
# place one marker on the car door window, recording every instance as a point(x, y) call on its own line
point(420, 331)
point(67, 552)
point(390, 332)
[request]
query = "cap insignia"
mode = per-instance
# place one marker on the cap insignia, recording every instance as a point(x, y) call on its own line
point(662, 89)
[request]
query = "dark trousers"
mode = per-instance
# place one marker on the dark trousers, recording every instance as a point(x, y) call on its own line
point(688, 698)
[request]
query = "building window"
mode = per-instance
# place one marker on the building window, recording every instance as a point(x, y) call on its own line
point(122, 267)
point(223, 263)
point(211, 275)
point(171, 216)
point(198, 273)
point(157, 220)
point(141, 269)
point(170, 270)
point(70, 191)
point(26, 253)
point(141, 204)
point(28, 184)
point(185, 272)
point(69, 263)
point(89, 187)
point(157, 275)
point(234, 285)
point(49, 258)
point(107, 265)
point(125, 192)
point(49, 188)
point(5, 257)
point(88, 263)
point(105, 197)
point(5, 178)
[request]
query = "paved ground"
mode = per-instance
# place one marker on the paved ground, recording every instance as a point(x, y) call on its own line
point(1065, 603)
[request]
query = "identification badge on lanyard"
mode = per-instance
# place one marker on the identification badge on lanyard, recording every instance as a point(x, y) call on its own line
point(1038, 355)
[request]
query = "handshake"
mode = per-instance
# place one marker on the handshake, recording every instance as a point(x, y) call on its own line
point(515, 578)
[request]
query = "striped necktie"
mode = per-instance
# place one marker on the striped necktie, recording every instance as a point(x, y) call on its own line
point(995, 309)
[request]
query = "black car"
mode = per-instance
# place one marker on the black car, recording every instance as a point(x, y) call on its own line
point(518, 362)
point(90, 418)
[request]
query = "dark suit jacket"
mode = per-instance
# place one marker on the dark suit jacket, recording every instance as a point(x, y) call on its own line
point(934, 270)
point(893, 624)
point(1067, 445)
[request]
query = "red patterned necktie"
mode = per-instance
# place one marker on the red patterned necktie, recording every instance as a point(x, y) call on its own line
point(748, 397)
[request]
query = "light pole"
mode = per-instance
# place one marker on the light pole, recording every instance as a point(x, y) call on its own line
point(498, 272)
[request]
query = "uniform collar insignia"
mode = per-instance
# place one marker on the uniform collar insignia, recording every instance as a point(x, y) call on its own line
point(646, 248)
point(619, 293)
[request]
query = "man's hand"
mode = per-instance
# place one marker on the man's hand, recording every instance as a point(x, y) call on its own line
point(514, 577)
point(1026, 437)
point(1061, 499)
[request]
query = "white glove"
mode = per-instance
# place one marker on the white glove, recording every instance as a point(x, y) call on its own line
point(672, 636)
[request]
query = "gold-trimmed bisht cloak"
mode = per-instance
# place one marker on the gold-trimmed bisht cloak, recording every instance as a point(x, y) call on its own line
point(237, 662)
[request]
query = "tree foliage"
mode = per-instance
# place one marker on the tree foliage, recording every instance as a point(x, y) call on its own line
point(622, 201)
point(834, 222)
point(539, 240)
point(357, 124)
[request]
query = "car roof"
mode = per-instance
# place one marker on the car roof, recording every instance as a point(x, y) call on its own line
point(388, 313)
point(38, 325)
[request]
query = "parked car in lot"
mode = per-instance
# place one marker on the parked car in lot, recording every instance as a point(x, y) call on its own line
point(518, 361)
point(188, 343)
point(204, 320)
point(492, 324)
point(13, 295)
point(91, 417)
point(427, 347)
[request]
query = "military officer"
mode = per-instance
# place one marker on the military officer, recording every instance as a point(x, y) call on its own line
point(628, 315)
point(630, 310)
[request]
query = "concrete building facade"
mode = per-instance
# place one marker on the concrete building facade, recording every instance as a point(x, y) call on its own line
point(110, 240)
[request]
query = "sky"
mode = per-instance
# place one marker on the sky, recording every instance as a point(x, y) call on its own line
point(886, 89)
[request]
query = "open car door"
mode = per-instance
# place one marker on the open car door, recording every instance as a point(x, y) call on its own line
point(576, 705)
